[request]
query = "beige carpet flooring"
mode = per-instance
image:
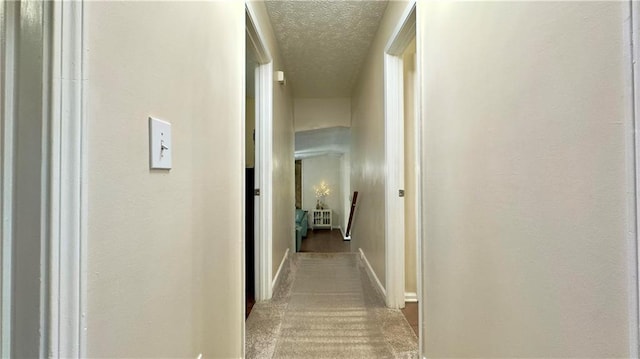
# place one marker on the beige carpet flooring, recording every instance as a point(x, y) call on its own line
point(325, 306)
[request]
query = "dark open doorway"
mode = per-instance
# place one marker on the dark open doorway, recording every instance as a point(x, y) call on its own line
point(250, 293)
point(250, 171)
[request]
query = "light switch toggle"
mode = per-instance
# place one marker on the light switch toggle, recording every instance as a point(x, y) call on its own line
point(160, 149)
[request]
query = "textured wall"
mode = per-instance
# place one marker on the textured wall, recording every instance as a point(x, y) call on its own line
point(283, 143)
point(367, 146)
point(317, 113)
point(524, 177)
point(165, 247)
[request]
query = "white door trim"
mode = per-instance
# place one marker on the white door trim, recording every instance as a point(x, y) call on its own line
point(68, 186)
point(60, 196)
point(418, 157)
point(394, 208)
point(264, 150)
point(7, 45)
point(404, 32)
point(62, 319)
point(633, 163)
point(263, 163)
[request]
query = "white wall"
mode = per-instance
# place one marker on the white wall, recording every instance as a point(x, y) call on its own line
point(525, 107)
point(325, 168)
point(165, 247)
point(317, 113)
point(284, 201)
point(367, 146)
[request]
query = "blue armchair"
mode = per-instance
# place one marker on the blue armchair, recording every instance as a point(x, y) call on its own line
point(302, 225)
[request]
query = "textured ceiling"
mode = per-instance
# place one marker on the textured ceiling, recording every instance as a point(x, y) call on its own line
point(323, 42)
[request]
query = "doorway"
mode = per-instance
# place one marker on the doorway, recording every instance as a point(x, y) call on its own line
point(42, 179)
point(402, 190)
point(411, 222)
point(259, 97)
point(323, 183)
point(251, 64)
point(323, 189)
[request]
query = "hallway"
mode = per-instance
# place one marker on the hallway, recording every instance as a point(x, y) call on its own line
point(326, 307)
point(124, 134)
point(324, 241)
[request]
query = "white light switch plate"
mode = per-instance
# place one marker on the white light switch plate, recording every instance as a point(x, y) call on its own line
point(160, 147)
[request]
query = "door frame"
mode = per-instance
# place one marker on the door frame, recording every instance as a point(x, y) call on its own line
point(405, 31)
point(63, 190)
point(264, 150)
point(7, 44)
point(68, 183)
point(403, 34)
point(632, 145)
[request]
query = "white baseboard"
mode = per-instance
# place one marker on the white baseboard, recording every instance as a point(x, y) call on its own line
point(410, 297)
point(344, 237)
point(284, 260)
point(373, 275)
